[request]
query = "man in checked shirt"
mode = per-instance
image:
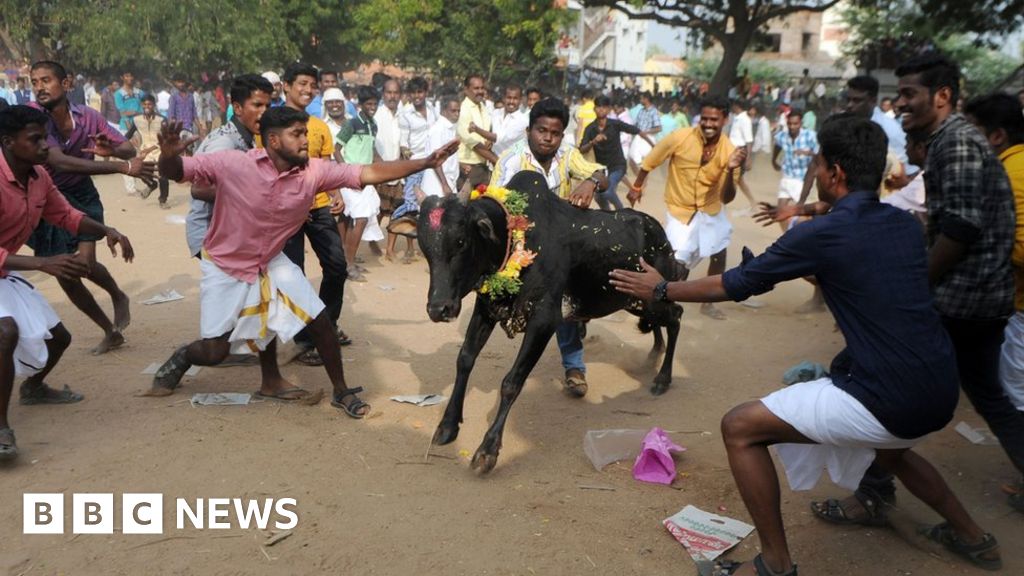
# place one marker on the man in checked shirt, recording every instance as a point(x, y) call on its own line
point(970, 237)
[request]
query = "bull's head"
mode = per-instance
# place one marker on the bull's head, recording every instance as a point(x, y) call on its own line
point(462, 243)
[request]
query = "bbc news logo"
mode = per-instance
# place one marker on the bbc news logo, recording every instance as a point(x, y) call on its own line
point(94, 513)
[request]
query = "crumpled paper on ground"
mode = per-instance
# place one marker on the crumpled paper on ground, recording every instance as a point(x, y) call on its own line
point(420, 399)
point(706, 536)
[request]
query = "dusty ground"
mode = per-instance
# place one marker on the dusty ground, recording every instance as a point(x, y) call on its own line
point(369, 503)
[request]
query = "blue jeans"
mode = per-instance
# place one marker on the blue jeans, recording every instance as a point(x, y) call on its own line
point(571, 346)
point(609, 198)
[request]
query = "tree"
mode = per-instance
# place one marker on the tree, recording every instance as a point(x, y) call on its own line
point(499, 38)
point(731, 23)
point(895, 30)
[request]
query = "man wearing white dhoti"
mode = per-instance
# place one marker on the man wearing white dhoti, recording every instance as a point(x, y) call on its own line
point(249, 292)
point(894, 383)
point(32, 337)
point(703, 169)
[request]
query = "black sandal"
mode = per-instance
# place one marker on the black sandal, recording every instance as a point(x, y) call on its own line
point(728, 568)
point(973, 553)
point(43, 394)
point(353, 407)
point(832, 511)
point(8, 447)
point(168, 376)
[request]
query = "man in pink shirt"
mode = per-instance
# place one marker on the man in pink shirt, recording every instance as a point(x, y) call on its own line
point(32, 338)
point(250, 293)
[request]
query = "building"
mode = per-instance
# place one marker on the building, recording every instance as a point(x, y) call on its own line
point(602, 39)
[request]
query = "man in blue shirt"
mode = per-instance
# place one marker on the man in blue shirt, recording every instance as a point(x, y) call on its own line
point(894, 383)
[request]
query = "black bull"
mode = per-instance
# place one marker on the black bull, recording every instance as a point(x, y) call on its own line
point(464, 242)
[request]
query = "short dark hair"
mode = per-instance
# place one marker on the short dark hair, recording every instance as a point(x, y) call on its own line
point(465, 83)
point(148, 98)
point(243, 86)
point(858, 146)
point(278, 118)
point(718, 102)
point(448, 99)
point(549, 108)
point(998, 110)
point(14, 119)
point(534, 90)
point(417, 83)
point(867, 84)
point(296, 69)
point(936, 70)
point(367, 93)
point(602, 101)
point(512, 86)
point(327, 73)
point(918, 136)
point(646, 94)
point(796, 112)
point(52, 66)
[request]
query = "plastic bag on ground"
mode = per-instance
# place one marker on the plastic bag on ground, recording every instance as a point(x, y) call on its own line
point(655, 464)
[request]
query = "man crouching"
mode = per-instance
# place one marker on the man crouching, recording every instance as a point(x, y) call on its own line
point(32, 337)
point(250, 293)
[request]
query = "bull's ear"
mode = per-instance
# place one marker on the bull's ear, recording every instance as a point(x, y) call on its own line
point(486, 227)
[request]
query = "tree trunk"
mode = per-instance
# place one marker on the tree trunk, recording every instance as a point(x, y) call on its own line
point(733, 47)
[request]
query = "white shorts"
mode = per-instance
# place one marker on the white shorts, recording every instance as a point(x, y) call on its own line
point(35, 318)
point(364, 203)
point(702, 238)
point(280, 303)
point(638, 149)
point(1011, 364)
point(791, 188)
point(847, 434)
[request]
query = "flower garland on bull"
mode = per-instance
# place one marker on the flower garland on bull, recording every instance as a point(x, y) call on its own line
point(506, 282)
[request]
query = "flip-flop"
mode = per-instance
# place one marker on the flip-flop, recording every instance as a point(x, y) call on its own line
point(353, 407)
point(292, 394)
point(46, 395)
point(8, 447)
point(343, 339)
point(728, 567)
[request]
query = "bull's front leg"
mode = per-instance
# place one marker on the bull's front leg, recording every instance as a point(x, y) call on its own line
point(480, 327)
point(538, 333)
point(664, 377)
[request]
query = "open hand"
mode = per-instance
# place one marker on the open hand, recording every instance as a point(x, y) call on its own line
point(583, 195)
point(770, 214)
point(737, 157)
point(170, 140)
point(101, 145)
point(437, 157)
point(637, 284)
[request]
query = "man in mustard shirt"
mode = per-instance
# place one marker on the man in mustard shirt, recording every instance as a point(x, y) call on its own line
point(1000, 119)
point(474, 148)
point(701, 179)
point(299, 83)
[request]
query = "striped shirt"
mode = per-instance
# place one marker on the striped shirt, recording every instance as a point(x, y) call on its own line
point(568, 163)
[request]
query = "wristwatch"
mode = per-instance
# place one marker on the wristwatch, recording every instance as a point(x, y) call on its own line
point(661, 291)
point(595, 180)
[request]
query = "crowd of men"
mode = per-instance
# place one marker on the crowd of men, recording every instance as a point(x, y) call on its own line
point(916, 244)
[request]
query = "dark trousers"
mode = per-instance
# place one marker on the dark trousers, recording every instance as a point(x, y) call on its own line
point(165, 188)
point(977, 344)
point(322, 231)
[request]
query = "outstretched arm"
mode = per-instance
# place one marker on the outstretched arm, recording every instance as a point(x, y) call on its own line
point(171, 148)
point(379, 172)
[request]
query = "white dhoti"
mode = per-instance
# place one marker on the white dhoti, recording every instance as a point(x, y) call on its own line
point(703, 237)
point(847, 434)
point(638, 149)
point(1011, 363)
point(364, 203)
point(790, 189)
point(279, 304)
point(35, 318)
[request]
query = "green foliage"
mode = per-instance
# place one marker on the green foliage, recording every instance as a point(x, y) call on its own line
point(499, 286)
point(515, 203)
point(883, 35)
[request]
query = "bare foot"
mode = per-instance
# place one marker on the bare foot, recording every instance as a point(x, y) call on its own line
point(281, 388)
point(112, 340)
point(122, 311)
point(409, 258)
point(708, 309)
point(387, 258)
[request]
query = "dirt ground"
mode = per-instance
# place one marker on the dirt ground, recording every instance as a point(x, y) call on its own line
point(368, 501)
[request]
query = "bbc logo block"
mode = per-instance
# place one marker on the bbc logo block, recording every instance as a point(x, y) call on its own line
point(93, 513)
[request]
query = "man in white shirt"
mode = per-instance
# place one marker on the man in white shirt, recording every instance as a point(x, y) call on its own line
point(509, 123)
point(334, 114)
point(742, 136)
point(414, 124)
point(442, 182)
point(388, 147)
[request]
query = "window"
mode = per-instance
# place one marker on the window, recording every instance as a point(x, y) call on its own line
point(808, 40)
point(764, 42)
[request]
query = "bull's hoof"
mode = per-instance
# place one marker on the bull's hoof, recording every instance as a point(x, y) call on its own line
point(660, 386)
point(483, 463)
point(445, 434)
